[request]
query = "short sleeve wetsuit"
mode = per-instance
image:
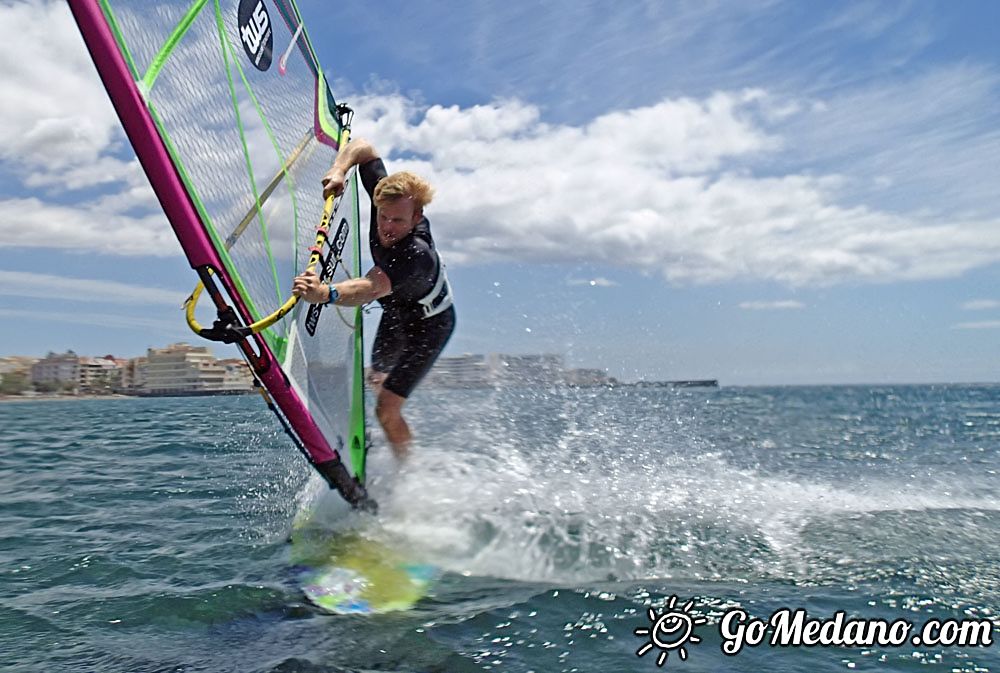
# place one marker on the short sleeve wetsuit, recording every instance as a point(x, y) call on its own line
point(417, 316)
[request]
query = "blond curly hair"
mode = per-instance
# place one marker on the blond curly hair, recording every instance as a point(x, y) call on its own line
point(401, 185)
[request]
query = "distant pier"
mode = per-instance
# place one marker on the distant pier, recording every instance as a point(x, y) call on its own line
point(691, 383)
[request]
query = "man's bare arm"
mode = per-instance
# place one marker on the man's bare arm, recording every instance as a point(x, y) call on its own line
point(355, 153)
point(353, 292)
point(361, 291)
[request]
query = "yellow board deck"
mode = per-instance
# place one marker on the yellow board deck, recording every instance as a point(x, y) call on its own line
point(346, 573)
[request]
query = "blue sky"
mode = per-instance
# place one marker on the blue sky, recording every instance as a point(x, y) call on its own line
point(762, 193)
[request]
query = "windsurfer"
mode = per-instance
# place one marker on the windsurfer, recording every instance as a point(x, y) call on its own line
point(408, 280)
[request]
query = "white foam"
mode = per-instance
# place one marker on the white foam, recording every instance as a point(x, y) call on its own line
point(574, 510)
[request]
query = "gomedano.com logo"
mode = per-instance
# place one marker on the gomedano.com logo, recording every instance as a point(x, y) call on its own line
point(671, 629)
point(794, 628)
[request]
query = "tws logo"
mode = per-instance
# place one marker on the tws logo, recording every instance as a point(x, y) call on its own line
point(255, 32)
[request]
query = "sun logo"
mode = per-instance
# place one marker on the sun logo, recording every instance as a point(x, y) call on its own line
point(670, 630)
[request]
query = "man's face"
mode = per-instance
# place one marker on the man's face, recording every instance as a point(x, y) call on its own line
point(396, 220)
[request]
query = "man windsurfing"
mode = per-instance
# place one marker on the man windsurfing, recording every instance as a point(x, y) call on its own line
point(408, 280)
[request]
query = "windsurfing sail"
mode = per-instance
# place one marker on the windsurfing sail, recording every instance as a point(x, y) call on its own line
point(234, 124)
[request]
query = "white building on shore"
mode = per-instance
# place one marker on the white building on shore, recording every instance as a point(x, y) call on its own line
point(99, 375)
point(182, 369)
point(463, 371)
point(503, 370)
point(12, 364)
point(57, 371)
point(545, 369)
point(238, 377)
point(132, 374)
point(178, 369)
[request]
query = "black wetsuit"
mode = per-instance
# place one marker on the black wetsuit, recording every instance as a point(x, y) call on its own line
point(415, 325)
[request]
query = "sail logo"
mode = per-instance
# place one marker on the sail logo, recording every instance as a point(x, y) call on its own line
point(341, 238)
point(255, 33)
point(330, 265)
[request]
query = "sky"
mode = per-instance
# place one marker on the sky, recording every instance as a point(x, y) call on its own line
point(762, 193)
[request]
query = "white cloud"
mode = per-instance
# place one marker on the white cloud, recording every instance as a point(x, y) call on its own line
point(782, 305)
point(45, 286)
point(102, 171)
point(664, 189)
point(926, 141)
point(688, 188)
point(872, 21)
point(62, 135)
point(592, 282)
point(985, 324)
point(981, 304)
point(98, 320)
point(675, 136)
point(88, 227)
point(56, 115)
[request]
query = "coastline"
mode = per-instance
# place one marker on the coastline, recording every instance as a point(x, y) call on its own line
point(47, 397)
point(56, 398)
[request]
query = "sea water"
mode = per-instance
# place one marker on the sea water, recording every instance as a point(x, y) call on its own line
point(151, 534)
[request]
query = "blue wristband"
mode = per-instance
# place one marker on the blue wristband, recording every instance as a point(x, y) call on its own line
point(333, 294)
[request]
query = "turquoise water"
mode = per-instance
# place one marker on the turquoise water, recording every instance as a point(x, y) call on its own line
point(150, 535)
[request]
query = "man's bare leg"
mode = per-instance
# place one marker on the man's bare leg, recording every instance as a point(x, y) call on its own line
point(389, 409)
